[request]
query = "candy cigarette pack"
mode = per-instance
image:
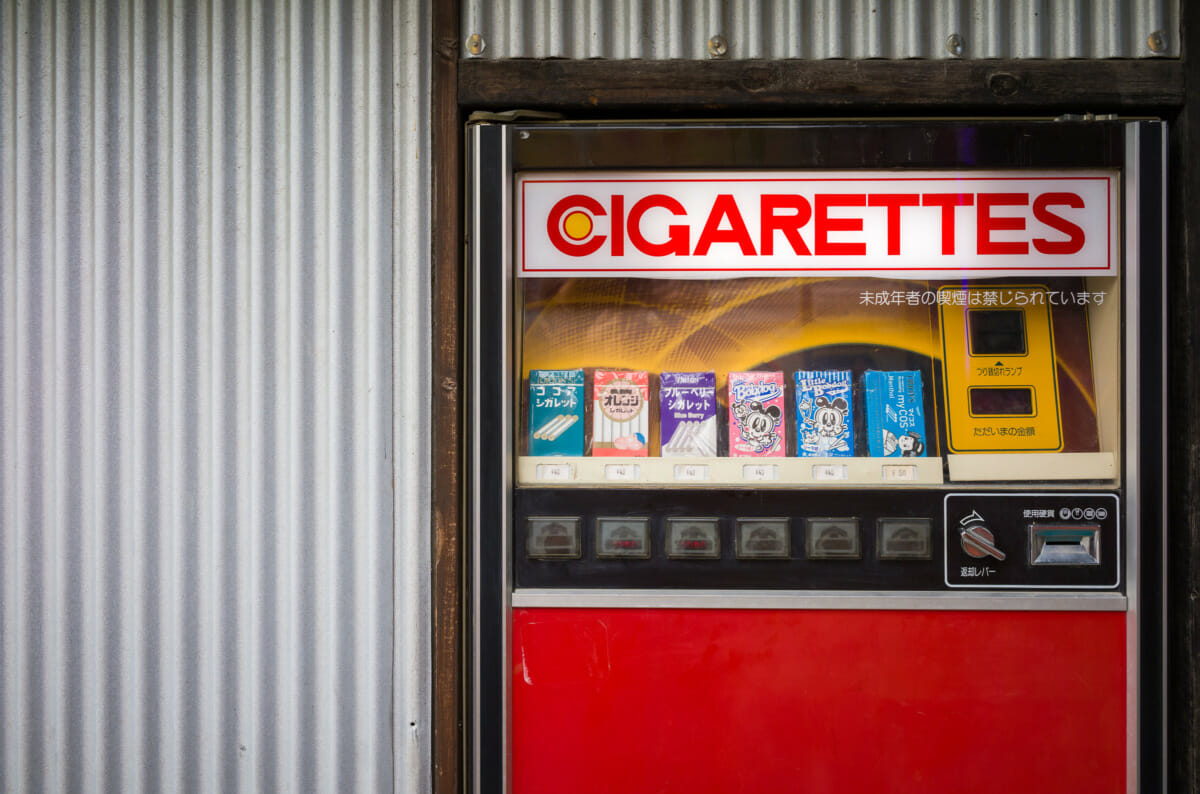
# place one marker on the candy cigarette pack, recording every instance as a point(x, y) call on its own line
point(824, 414)
point(895, 413)
point(757, 426)
point(688, 408)
point(556, 412)
point(621, 413)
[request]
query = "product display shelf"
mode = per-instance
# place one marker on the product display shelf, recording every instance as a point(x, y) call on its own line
point(621, 472)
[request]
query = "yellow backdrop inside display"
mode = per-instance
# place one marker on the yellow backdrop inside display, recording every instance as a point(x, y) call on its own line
point(725, 326)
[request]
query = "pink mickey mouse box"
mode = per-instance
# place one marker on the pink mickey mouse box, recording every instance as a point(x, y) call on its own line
point(756, 420)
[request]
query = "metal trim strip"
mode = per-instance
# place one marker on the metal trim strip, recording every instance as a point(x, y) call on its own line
point(817, 599)
point(1130, 470)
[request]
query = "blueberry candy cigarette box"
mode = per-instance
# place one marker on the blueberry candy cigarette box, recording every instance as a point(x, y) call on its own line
point(688, 407)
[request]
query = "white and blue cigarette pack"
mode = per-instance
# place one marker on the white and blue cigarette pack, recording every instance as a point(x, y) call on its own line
point(895, 413)
point(556, 412)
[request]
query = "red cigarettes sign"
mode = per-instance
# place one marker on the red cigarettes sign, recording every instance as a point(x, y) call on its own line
point(920, 224)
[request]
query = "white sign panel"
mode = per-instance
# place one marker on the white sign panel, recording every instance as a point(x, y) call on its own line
point(893, 224)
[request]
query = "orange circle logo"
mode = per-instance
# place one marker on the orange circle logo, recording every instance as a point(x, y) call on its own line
point(577, 225)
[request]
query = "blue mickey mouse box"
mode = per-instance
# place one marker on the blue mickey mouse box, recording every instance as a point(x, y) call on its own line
point(824, 414)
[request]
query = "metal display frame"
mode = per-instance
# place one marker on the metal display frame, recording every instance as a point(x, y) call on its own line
point(497, 151)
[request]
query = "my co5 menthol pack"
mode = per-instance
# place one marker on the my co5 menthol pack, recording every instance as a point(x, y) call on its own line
point(895, 413)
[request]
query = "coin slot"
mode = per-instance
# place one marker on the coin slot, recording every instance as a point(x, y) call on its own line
point(1056, 544)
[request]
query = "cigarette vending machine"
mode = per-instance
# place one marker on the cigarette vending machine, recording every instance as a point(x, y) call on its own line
point(820, 457)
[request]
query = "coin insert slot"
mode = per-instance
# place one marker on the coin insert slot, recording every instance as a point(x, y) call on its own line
point(833, 539)
point(1064, 544)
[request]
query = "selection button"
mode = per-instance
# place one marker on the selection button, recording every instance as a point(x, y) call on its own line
point(694, 538)
point(833, 539)
point(905, 538)
point(762, 539)
point(552, 537)
point(622, 537)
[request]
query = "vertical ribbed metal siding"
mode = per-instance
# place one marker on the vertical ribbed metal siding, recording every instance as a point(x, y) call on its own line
point(663, 29)
point(207, 579)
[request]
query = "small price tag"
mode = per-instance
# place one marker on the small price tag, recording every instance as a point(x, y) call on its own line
point(760, 472)
point(824, 472)
point(690, 472)
point(555, 472)
point(622, 472)
point(893, 473)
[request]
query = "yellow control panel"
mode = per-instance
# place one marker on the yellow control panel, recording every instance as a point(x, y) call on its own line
point(999, 369)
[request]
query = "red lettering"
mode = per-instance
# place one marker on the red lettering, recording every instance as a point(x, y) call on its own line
point(824, 224)
point(789, 224)
point(986, 223)
point(947, 201)
point(725, 207)
point(554, 225)
point(893, 202)
point(677, 235)
point(618, 226)
point(1075, 236)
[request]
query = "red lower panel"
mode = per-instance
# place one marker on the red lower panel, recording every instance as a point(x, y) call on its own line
point(633, 701)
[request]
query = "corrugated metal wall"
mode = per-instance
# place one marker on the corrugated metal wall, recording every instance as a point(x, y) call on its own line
point(214, 511)
point(701, 29)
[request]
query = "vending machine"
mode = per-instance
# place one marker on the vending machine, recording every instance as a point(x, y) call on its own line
point(816, 456)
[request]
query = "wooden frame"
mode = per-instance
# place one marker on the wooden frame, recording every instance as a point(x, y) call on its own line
point(1157, 87)
point(833, 88)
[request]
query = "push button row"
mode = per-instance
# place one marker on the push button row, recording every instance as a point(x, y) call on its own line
point(756, 538)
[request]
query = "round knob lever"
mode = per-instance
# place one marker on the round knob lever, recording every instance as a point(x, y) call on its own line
point(979, 542)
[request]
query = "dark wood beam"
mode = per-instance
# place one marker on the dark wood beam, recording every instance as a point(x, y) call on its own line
point(1183, 450)
point(829, 87)
point(446, 404)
